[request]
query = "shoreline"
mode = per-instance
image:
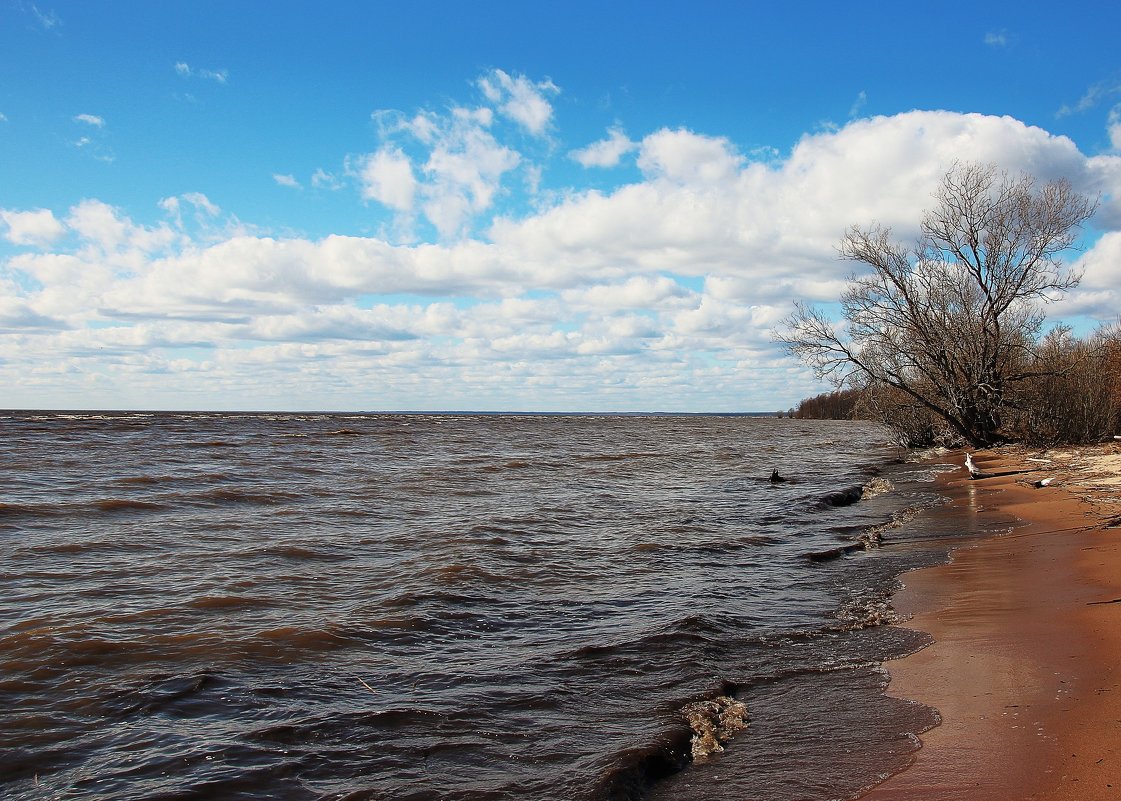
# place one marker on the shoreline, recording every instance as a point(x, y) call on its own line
point(1025, 666)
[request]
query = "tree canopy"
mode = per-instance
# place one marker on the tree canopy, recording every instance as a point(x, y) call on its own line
point(950, 323)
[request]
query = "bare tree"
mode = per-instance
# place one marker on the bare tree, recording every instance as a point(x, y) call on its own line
point(950, 322)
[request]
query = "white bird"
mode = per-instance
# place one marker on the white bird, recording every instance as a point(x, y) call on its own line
point(974, 471)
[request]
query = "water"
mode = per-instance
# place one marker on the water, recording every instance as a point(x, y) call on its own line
point(450, 607)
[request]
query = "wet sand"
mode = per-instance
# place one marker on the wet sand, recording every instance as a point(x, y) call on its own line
point(1025, 668)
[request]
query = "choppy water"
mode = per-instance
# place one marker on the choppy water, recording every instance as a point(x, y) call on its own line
point(448, 607)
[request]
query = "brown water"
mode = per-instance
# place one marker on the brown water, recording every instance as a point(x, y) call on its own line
point(448, 607)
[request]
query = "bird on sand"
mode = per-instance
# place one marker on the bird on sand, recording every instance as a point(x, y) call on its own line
point(974, 471)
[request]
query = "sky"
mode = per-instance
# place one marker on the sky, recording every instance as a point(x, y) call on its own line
point(501, 206)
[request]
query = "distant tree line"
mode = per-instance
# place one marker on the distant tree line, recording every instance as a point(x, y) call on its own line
point(942, 339)
point(840, 404)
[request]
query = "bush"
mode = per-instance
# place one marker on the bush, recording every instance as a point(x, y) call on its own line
point(914, 425)
point(1076, 396)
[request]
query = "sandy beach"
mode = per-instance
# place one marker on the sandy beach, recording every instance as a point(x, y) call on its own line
point(1025, 669)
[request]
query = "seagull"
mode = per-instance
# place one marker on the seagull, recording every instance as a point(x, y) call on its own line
point(974, 472)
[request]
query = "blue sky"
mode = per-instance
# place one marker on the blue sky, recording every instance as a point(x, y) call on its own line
point(503, 205)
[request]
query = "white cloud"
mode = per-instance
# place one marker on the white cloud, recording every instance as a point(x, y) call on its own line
point(204, 210)
point(456, 174)
point(606, 152)
point(660, 293)
point(1113, 127)
point(638, 292)
point(1093, 96)
point(464, 172)
point(321, 179)
point(202, 203)
point(92, 142)
point(1099, 293)
point(522, 100)
point(858, 104)
point(996, 39)
point(104, 231)
point(48, 20)
point(38, 228)
point(18, 316)
point(286, 180)
point(685, 157)
point(3, 118)
point(387, 177)
point(187, 71)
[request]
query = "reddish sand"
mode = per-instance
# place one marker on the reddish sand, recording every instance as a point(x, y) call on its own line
point(1025, 669)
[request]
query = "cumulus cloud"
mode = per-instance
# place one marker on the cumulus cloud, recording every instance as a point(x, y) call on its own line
point(286, 180)
point(1113, 127)
point(522, 100)
point(606, 152)
point(465, 171)
point(387, 177)
point(637, 292)
point(17, 316)
point(457, 171)
point(683, 156)
point(658, 293)
point(997, 38)
point(202, 205)
point(38, 228)
point(1099, 293)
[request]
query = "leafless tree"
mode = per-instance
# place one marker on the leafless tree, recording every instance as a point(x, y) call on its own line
point(951, 322)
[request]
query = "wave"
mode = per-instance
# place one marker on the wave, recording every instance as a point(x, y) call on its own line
point(143, 480)
point(246, 496)
point(299, 553)
point(841, 497)
point(127, 505)
point(621, 457)
point(225, 602)
point(635, 770)
point(867, 612)
point(714, 723)
point(27, 510)
point(877, 486)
